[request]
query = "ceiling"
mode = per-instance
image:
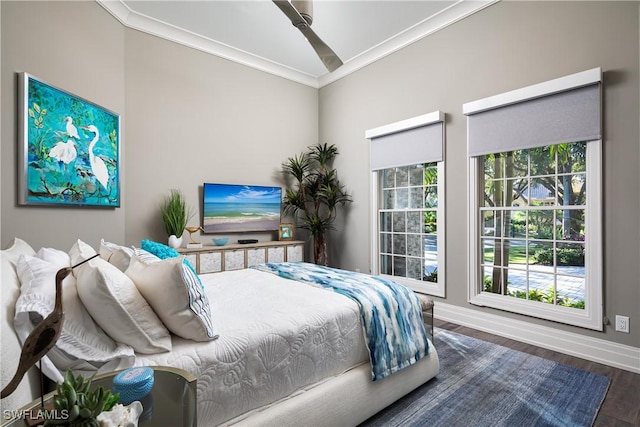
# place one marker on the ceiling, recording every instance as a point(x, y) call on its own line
point(256, 33)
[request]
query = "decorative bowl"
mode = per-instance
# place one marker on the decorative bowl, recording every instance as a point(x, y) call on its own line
point(133, 384)
point(220, 241)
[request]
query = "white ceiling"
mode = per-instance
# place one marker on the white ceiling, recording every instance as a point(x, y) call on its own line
point(256, 33)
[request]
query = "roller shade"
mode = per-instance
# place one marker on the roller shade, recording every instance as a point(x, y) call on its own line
point(421, 144)
point(564, 116)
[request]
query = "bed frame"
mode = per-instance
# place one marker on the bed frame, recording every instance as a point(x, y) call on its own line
point(345, 400)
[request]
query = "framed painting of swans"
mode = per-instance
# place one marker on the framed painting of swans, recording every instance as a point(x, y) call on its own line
point(68, 147)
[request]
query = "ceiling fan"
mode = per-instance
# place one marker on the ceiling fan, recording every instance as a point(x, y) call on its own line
point(300, 12)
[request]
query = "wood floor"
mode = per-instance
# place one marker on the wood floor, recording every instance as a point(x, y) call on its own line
point(621, 407)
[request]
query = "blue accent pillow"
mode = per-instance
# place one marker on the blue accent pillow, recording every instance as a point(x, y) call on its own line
point(163, 252)
point(158, 249)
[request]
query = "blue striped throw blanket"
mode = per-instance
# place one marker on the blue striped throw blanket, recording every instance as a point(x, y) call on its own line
point(390, 313)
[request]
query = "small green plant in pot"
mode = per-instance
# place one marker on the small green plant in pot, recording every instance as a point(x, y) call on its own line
point(175, 215)
point(76, 406)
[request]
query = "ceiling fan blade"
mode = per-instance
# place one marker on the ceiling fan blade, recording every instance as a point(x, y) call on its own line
point(326, 54)
point(328, 57)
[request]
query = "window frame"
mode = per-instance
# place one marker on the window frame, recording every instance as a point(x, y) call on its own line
point(431, 288)
point(591, 316)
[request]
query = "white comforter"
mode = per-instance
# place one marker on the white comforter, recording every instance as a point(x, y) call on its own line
point(276, 337)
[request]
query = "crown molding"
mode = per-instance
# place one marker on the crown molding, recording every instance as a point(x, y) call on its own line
point(446, 17)
point(146, 24)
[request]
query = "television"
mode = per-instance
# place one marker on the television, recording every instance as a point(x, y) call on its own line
point(228, 208)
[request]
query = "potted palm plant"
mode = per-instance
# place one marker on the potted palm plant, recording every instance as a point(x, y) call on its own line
point(175, 215)
point(314, 194)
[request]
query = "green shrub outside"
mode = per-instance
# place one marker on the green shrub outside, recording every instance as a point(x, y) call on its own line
point(564, 257)
point(547, 296)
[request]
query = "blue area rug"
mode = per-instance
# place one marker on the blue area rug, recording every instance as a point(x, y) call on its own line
point(484, 384)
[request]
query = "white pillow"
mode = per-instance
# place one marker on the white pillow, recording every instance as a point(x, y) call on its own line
point(11, 346)
point(116, 254)
point(116, 305)
point(82, 345)
point(176, 294)
point(145, 255)
point(120, 256)
point(16, 248)
point(57, 257)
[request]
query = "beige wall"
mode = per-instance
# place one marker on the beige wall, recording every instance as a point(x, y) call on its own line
point(187, 118)
point(193, 118)
point(504, 47)
point(80, 48)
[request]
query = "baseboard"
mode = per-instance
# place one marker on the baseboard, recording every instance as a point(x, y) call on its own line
point(595, 349)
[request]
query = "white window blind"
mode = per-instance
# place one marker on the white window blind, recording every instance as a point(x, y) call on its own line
point(562, 110)
point(412, 141)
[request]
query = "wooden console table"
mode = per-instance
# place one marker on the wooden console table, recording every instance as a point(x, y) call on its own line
point(214, 259)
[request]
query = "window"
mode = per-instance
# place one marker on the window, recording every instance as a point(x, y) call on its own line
point(533, 228)
point(408, 203)
point(535, 219)
point(408, 222)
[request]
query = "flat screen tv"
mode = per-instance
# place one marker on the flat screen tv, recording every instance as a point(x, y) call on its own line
point(231, 208)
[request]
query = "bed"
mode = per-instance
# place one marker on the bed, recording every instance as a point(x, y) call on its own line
point(284, 353)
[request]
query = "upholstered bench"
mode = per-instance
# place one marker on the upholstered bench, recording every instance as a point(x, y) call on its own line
point(426, 305)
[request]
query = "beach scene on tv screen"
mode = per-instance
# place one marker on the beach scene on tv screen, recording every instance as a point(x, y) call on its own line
point(231, 208)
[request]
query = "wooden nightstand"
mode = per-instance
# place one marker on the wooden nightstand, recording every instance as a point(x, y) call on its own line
point(172, 401)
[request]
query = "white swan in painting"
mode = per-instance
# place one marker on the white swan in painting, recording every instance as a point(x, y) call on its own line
point(98, 166)
point(71, 129)
point(64, 152)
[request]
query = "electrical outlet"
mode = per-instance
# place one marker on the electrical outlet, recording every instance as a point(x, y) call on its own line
point(622, 324)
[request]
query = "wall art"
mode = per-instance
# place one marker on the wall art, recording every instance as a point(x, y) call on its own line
point(68, 147)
